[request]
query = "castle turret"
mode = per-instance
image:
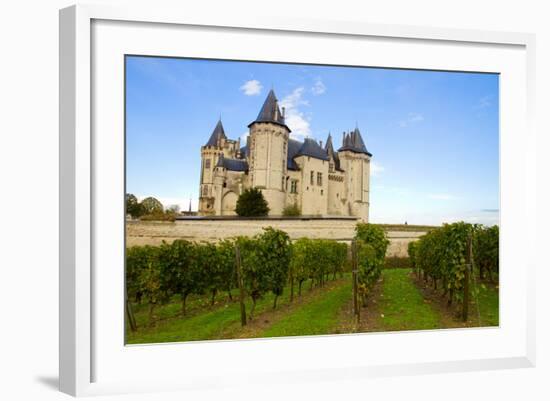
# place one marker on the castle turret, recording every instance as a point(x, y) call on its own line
point(355, 161)
point(268, 149)
point(210, 153)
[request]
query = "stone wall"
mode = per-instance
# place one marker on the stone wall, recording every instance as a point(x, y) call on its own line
point(153, 233)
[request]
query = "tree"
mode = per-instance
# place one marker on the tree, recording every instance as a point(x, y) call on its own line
point(252, 203)
point(133, 207)
point(173, 208)
point(151, 205)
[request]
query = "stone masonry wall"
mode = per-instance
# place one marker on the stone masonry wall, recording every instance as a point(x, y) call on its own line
point(153, 233)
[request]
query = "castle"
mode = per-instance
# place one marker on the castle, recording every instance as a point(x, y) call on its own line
point(318, 180)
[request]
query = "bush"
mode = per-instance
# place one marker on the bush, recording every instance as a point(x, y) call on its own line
point(251, 203)
point(316, 259)
point(159, 216)
point(292, 210)
point(486, 254)
point(372, 244)
point(441, 256)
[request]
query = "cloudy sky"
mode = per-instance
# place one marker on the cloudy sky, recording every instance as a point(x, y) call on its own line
point(433, 135)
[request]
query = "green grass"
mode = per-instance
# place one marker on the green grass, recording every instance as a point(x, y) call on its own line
point(203, 322)
point(205, 325)
point(317, 317)
point(402, 306)
point(488, 305)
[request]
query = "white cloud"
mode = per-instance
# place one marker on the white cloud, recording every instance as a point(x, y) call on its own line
point(294, 117)
point(412, 118)
point(318, 88)
point(375, 168)
point(252, 87)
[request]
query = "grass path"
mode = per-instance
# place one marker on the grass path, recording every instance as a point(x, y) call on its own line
point(320, 316)
point(402, 306)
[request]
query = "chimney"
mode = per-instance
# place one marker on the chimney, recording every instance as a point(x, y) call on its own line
point(321, 143)
point(344, 138)
point(283, 111)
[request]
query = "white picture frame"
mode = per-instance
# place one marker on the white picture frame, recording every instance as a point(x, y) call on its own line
point(83, 332)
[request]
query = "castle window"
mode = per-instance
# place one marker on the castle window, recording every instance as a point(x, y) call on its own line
point(331, 167)
point(322, 192)
point(311, 177)
point(207, 163)
point(319, 179)
point(294, 186)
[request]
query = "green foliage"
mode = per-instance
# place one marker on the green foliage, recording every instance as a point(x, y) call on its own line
point(486, 241)
point(372, 244)
point(268, 260)
point(411, 250)
point(292, 210)
point(255, 275)
point(133, 207)
point(251, 203)
point(441, 255)
point(375, 236)
point(151, 205)
point(274, 248)
point(315, 259)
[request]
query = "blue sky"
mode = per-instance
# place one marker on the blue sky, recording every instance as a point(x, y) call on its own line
point(434, 135)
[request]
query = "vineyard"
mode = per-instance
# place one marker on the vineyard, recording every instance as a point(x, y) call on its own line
point(268, 285)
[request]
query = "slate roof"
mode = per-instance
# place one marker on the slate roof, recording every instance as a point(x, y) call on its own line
point(311, 148)
point(217, 134)
point(232, 164)
point(293, 148)
point(270, 112)
point(354, 142)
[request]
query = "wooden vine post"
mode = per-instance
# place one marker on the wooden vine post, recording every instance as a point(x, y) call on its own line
point(354, 266)
point(241, 286)
point(469, 264)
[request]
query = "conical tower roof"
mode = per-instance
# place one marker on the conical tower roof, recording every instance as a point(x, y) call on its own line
point(217, 134)
point(270, 112)
point(354, 143)
point(329, 148)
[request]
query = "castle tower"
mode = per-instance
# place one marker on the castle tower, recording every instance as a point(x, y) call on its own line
point(355, 161)
point(210, 153)
point(268, 149)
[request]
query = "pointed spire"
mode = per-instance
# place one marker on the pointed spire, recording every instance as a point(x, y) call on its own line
point(217, 134)
point(354, 142)
point(189, 204)
point(328, 145)
point(270, 111)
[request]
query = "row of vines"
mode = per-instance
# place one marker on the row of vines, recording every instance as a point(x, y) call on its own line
point(266, 263)
point(449, 257)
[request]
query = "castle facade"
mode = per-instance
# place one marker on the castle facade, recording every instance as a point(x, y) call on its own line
point(319, 180)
